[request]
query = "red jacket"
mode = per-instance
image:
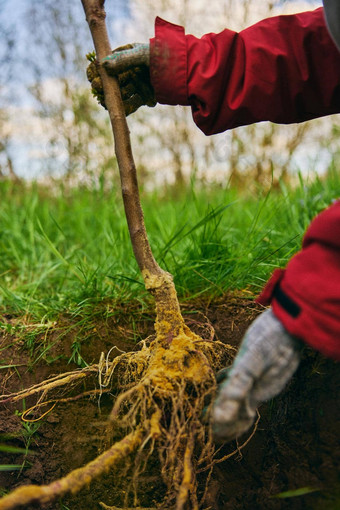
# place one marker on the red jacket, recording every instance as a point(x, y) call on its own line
point(284, 69)
point(306, 295)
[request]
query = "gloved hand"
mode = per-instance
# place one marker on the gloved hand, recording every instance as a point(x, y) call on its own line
point(266, 361)
point(130, 64)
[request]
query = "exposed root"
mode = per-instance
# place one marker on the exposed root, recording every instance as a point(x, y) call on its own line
point(66, 379)
point(186, 487)
point(164, 389)
point(175, 383)
point(117, 508)
point(54, 402)
point(74, 481)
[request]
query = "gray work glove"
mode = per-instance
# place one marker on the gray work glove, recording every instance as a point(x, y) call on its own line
point(266, 361)
point(130, 64)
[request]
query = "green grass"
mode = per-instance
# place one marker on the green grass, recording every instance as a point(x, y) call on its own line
point(68, 250)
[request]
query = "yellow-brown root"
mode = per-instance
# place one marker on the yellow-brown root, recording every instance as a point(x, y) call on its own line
point(170, 396)
point(187, 486)
point(106, 507)
point(165, 387)
point(74, 481)
point(65, 379)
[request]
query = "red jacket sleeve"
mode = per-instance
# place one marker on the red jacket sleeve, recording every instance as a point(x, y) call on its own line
point(306, 295)
point(284, 69)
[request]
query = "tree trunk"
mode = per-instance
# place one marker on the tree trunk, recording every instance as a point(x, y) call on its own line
point(157, 281)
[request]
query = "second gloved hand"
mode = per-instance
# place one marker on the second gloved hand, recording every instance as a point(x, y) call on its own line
point(130, 64)
point(266, 361)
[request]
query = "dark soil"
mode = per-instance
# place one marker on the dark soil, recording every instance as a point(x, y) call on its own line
point(296, 445)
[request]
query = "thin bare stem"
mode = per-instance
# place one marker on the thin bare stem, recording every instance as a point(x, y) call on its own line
point(158, 281)
point(95, 16)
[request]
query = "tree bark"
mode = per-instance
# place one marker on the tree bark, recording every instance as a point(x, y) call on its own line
point(159, 282)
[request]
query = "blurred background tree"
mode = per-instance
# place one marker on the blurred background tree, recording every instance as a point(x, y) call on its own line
point(261, 154)
point(78, 142)
point(7, 48)
point(54, 128)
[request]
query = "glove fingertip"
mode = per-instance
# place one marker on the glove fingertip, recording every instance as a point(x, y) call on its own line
point(222, 375)
point(106, 62)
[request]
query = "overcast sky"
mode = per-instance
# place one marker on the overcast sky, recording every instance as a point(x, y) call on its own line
point(12, 19)
point(121, 29)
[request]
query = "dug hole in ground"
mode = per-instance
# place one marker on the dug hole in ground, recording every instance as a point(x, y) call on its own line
point(291, 461)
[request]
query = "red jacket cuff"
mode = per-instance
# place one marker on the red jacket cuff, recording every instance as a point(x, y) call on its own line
point(168, 63)
point(266, 295)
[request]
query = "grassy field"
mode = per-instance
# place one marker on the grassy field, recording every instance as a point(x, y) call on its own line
point(70, 289)
point(67, 251)
point(63, 249)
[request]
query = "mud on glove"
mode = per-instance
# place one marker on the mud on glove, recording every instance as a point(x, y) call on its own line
point(266, 361)
point(130, 64)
